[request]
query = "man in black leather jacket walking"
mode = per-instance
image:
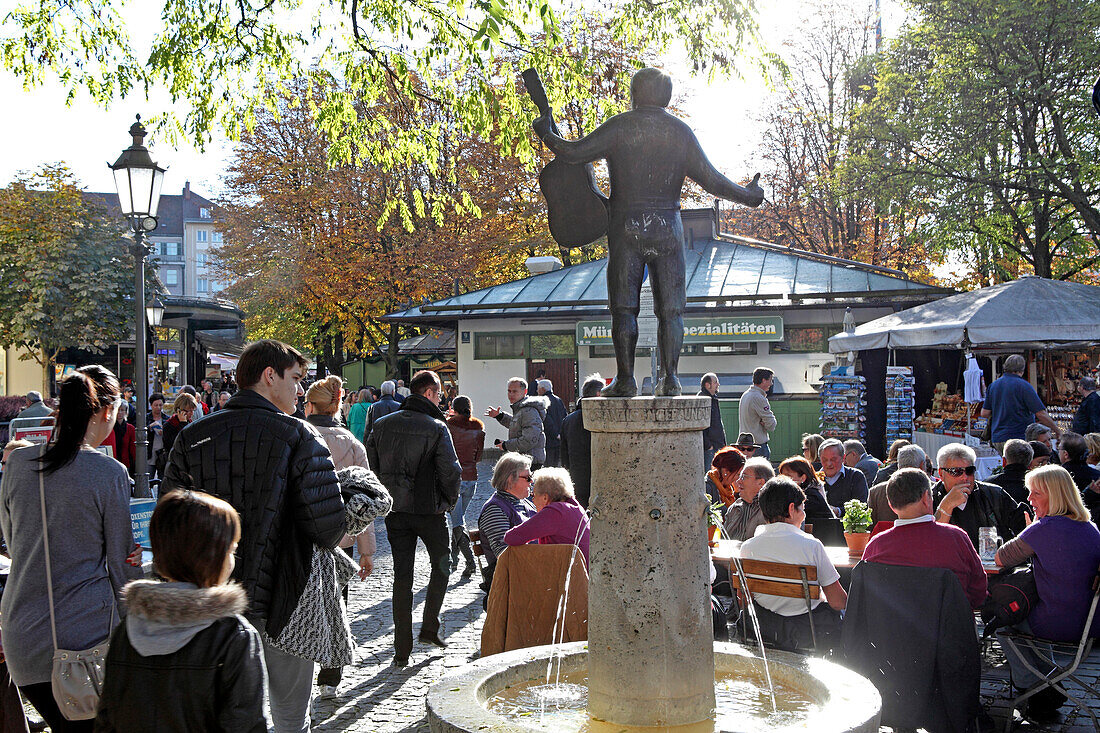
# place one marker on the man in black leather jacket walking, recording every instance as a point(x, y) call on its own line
point(277, 473)
point(411, 452)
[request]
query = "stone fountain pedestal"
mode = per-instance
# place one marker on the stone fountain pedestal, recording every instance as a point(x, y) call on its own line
point(650, 638)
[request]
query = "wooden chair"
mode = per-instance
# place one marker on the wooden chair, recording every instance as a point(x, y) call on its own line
point(775, 579)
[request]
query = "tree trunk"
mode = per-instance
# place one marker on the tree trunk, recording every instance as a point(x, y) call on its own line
point(393, 361)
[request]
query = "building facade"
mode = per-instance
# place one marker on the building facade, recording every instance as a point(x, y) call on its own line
point(750, 304)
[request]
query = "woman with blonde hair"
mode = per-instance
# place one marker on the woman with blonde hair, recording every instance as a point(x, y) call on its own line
point(323, 401)
point(810, 443)
point(1092, 440)
point(1065, 548)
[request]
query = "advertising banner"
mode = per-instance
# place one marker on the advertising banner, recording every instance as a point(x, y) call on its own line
point(722, 330)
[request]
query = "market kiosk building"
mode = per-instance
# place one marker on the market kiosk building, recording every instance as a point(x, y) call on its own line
point(1054, 324)
point(750, 304)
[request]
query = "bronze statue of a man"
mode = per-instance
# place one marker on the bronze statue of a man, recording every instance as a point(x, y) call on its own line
point(649, 153)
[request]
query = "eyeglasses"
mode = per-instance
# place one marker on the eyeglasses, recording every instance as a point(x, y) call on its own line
point(526, 477)
point(956, 472)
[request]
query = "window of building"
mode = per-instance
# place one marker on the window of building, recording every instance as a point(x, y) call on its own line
point(200, 235)
point(805, 340)
point(204, 213)
point(202, 285)
point(216, 237)
point(173, 249)
point(553, 345)
point(172, 277)
point(500, 346)
point(200, 259)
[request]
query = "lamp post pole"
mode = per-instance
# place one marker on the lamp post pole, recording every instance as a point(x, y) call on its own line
point(141, 371)
point(138, 180)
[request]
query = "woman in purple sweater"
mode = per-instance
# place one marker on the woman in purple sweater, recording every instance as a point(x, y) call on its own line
point(560, 519)
point(1064, 547)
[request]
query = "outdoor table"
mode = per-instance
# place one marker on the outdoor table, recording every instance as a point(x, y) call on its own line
point(729, 549)
point(726, 550)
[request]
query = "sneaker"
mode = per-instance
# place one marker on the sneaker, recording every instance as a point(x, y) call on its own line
point(400, 662)
point(327, 692)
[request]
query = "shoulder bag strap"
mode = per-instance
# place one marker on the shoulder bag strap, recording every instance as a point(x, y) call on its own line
point(46, 546)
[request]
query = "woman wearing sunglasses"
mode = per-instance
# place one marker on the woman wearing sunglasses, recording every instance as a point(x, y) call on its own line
point(970, 504)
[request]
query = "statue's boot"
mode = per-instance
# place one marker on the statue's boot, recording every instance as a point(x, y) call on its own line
point(668, 386)
point(621, 387)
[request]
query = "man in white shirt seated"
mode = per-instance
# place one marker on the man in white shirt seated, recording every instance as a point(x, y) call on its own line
point(784, 622)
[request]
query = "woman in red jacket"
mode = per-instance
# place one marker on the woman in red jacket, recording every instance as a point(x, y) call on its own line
point(123, 439)
point(468, 435)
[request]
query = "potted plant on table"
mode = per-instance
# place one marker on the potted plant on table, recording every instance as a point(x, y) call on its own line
point(857, 526)
point(714, 523)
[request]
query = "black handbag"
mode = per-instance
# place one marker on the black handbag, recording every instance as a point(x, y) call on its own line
point(1012, 598)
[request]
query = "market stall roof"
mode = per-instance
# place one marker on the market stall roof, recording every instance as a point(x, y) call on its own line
point(723, 270)
point(1031, 311)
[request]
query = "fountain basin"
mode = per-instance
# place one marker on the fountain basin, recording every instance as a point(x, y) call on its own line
point(456, 704)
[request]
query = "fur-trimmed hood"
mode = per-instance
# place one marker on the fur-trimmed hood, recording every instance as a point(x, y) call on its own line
point(465, 423)
point(537, 403)
point(163, 617)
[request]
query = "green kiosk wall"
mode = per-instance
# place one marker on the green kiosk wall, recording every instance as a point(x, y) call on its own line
point(795, 414)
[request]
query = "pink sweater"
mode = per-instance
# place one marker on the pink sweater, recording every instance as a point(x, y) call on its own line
point(556, 524)
point(932, 545)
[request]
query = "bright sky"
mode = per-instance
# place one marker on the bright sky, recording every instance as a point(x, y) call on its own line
point(39, 128)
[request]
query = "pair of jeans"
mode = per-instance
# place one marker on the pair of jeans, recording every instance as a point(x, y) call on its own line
point(403, 530)
point(289, 688)
point(1022, 677)
point(465, 496)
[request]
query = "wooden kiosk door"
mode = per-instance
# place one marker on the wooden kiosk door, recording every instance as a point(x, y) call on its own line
point(562, 372)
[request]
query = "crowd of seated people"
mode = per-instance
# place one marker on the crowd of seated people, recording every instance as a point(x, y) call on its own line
point(932, 519)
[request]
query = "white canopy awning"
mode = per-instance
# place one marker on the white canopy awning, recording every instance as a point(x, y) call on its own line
point(1031, 309)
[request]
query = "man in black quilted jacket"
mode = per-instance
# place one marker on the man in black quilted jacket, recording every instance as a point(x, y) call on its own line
point(277, 473)
point(411, 452)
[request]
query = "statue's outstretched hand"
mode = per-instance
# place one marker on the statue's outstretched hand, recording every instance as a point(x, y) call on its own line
point(542, 127)
point(756, 191)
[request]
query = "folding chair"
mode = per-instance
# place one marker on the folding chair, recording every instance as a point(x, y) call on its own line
point(1050, 651)
point(775, 579)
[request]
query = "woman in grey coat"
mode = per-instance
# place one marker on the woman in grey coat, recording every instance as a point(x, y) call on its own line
point(88, 517)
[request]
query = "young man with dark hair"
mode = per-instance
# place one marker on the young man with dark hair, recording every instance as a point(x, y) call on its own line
point(785, 622)
point(412, 453)
point(754, 414)
point(277, 473)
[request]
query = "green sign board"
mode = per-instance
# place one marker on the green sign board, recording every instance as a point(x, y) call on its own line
point(722, 330)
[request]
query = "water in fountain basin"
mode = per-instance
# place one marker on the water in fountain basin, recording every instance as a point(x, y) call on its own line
point(756, 628)
point(558, 635)
point(742, 701)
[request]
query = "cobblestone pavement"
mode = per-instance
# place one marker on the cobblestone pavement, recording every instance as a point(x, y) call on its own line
point(376, 697)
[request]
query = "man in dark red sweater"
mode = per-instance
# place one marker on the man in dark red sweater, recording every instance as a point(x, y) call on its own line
point(917, 540)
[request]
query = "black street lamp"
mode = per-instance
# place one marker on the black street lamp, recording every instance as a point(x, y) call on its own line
point(138, 181)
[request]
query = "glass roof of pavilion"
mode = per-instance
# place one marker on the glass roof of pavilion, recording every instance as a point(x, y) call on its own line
point(728, 272)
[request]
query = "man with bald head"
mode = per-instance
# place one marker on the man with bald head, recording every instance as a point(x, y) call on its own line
point(649, 153)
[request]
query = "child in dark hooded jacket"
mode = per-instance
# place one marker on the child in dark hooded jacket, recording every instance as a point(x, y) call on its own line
point(186, 659)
